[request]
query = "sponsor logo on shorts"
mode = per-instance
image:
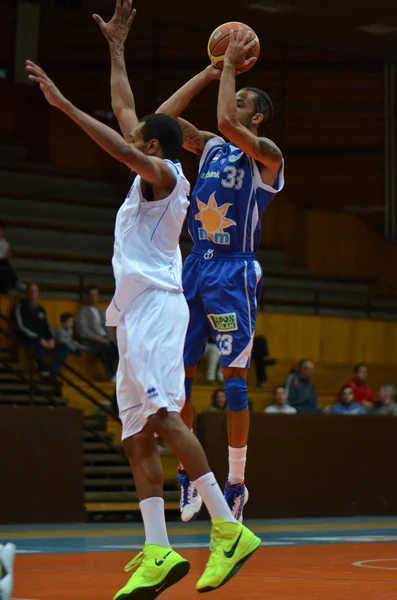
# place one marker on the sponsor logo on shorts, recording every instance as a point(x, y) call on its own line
point(152, 393)
point(226, 322)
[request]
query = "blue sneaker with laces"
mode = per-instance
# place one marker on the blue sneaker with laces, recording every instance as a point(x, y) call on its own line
point(236, 495)
point(191, 501)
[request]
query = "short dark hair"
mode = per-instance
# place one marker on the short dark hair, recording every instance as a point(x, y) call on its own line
point(90, 288)
point(277, 387)
point(167, 131)
point(358, 367)
point(65, 317)
point(263, 105)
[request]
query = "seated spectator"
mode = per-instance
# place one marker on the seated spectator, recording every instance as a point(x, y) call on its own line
point(64, 334)
point(93, 333)
point(214, 368)
point(261, 359)
point(280, 404)
point(8, 277)
point(300, 389)
point(218, 401)
point(32, 325)
point(346, 404)
point(362, 391)
point(386, 404)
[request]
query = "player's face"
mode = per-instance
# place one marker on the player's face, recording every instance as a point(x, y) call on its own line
point(246, 107)
point(136, 137)
point(347, 395)
point(279, 396)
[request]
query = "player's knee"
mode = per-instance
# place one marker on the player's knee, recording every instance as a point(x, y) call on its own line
point(236, 391)
point(188, 387)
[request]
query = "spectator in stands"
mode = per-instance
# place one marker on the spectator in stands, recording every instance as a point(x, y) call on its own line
point(386, 404)
point(218, 401)
point(362, 391)
point(32, 325)
point(214, 367)
point(92, 331)
point(261, 359)
point(280, 404)
point(8, 277)
point(64, 334)
point(346, 404)
point(300, 389)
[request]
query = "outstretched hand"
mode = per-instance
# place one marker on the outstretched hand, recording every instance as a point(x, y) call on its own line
point(240, 44)
point(117, 29)
point(47, 86)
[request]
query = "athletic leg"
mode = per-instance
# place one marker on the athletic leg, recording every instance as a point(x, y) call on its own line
point(157, 566)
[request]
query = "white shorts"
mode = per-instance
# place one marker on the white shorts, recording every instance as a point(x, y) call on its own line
point(151, 336)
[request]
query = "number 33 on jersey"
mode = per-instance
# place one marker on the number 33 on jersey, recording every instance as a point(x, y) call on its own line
point(228, 200)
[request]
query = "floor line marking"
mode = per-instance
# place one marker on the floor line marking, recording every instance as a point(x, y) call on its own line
point(362, 564)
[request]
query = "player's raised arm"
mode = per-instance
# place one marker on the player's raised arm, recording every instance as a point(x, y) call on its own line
point(194, 140)
point(152, 169)
point(116, 33)
point(261, 149)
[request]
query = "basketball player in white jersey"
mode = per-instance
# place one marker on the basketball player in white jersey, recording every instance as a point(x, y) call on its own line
point(151, 315)
point(7, 555)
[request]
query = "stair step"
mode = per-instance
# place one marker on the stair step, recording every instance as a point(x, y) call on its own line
point(123, 496)
point(97, 422)
point(105, 435)
point(95, 446)
point(8, 376)
point(24, 399)
point(107, 470)
point(105, 458)
point(20, 387)
point(114, 507)
point(107, 482)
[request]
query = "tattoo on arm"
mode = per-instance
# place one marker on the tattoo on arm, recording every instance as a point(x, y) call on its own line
point(192, 136)
point(265, 149)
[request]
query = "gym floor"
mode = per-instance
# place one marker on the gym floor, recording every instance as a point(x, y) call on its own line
point(332, 559)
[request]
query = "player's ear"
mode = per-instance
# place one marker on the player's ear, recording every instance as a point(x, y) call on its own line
point(153, 146)
point(257, 119)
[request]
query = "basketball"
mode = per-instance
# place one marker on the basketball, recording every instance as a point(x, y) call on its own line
point(219, 41)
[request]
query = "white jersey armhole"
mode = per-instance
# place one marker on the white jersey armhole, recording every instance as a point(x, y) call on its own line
point(216, 141)
point(258, 183)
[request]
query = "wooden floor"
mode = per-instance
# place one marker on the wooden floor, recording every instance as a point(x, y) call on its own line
point(282, 573)
point(314, 560)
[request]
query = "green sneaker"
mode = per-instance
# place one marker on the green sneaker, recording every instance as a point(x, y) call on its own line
point(157, 568)
point(231, 545)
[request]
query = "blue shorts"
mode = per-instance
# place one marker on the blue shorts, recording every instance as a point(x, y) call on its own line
point(222, 291)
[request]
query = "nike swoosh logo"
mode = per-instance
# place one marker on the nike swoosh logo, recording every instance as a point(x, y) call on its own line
point(162, 586)
point(160, 562)
point(231, 552)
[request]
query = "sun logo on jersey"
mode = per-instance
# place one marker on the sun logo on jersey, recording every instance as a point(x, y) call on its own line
point(214, 221)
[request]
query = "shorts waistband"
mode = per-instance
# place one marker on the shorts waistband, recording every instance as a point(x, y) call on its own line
point(213, 255)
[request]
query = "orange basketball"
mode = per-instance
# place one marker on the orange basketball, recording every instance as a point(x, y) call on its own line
point(219, 41)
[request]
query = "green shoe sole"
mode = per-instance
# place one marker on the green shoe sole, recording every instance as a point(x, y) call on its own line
point(178, 572)
point(232, 573)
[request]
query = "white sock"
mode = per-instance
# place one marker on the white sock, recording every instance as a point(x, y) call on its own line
point(153, 515)
point(237, 460)
point(213, 498)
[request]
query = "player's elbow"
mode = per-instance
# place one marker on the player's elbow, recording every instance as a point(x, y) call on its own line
point(226, 125)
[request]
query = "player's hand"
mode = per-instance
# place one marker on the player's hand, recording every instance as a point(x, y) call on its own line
point(212, 72)
point(47, 86)
point(239, 45)
point(118, 28)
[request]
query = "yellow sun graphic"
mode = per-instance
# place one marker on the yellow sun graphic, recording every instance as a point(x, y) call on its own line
point(213, 217)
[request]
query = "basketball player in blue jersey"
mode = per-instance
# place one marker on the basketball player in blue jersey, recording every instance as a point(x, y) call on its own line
point(222, 281)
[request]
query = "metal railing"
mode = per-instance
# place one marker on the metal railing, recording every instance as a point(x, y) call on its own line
point(36, 387)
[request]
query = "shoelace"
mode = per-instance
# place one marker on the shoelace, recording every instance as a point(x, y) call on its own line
point(235, 494)
point(135, 562)
point(186, 487)
point(216, 550)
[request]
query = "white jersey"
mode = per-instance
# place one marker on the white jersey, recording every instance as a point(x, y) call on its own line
point(146, 246)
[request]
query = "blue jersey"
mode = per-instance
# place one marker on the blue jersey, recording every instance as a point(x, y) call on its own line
point(228, 200)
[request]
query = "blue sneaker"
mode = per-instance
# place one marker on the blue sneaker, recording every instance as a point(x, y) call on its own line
point(191, 501)
point(236, 496)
